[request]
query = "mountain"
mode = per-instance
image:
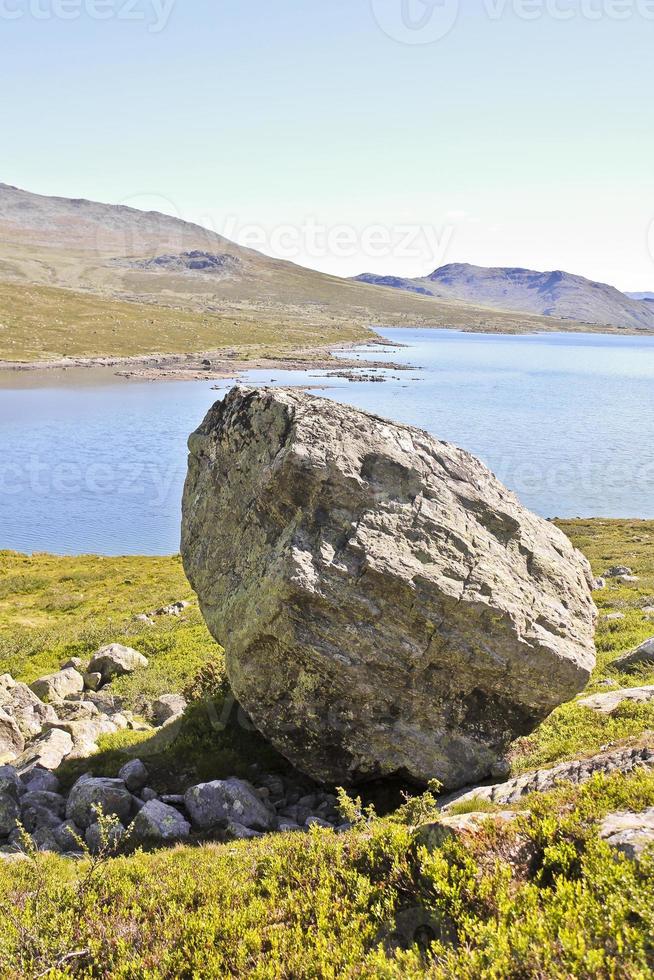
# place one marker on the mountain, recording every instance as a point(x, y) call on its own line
point(81, 278)
point(551, 294)
point(646, 297)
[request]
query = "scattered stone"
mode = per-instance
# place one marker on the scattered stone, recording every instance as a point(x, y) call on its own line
point(94, 838)
point(434, 835)
point(215, 804)
point(42, 809)
point(238, 831)
point(606, 704)
point(37, 779)
point(92, 680)
point(143, 618)
point(58, 686)
point(174, 609)
point(318, 822)
point(158, 822)
point(577, 772)
point(134, 774)
point(600, 583)
point(166, 707)
point(644, 654)
point(147, 794)
point(76, 711)
point(28, 711)
point(12, 741)
point(89, 792)
point(68, 836)
point(629, 832)
point(386, 605)
point(613, 617)
point(9, 812)
point(115, 660)
point(75, 663)
point(48, 751)
point(617, 571)
point(629, 579)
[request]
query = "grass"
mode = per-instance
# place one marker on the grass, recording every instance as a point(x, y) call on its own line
point(48, 323)
point(543, 897)
point(572, 729)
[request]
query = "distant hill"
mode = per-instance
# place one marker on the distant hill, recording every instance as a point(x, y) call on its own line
point(552, 294)
point(57, 254)
point(647, 297)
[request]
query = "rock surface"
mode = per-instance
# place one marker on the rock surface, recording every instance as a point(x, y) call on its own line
point(578, 771)
point(386, 605)
point(28, 711)
point(644, 654)
point(606, 704)
point(115, 660)
point(12, 742)
point(217, 803)
point(88, 793)
point(55, 687)
point(157, 821)
point(629, 832)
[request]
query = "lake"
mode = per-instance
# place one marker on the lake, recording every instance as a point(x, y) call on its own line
point(93, 463)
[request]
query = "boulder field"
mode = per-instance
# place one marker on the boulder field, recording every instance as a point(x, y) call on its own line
point(386, 605)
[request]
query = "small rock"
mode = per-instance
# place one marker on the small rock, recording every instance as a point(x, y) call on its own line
point(47, 752)
point(143, 618)
point(617, 571)
point(157, 821)
point(629, 832)
point(613, 617)
point(115, 660)
point(134, 774)
point(433, 835)
point(12, 741)
point(317, 822)
point(644, 654)
point(92, 680)
point(27, 710)
point(606, 704)
point(288, 827)
point(58, 686)
point(238, 831)
point(44, 839)
point(166, 707)
point(42, 809)
point(40, 779)
point(95, 843)
point(600, 583)
point(88, 792)
point(75, 663)
point(9, 813)
point(628, 579)
point(68, 836)
point(215, 804)
point(76, 711)
point(147, 794)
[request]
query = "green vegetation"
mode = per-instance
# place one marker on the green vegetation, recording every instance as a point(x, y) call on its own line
point(573, 730)
point(541, 897)
point(47, 323)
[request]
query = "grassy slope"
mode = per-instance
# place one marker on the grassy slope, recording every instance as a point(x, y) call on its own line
point(323, 905)
point(47, 323)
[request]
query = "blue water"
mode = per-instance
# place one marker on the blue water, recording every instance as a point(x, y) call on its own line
point(566, 420)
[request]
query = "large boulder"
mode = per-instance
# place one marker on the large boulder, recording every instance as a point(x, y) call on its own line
point(386, 605)
point(644, 654)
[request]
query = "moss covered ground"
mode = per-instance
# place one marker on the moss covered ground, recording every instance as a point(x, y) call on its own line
point(542, 898)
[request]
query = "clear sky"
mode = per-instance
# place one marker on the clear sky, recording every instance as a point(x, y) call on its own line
point(350, 135)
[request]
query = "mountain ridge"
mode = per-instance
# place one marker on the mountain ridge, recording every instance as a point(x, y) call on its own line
point(554, 293)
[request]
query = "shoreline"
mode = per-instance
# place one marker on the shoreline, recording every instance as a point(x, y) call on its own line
point(211, 365)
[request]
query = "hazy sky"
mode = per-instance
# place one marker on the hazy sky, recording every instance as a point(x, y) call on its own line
point(350, 135)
